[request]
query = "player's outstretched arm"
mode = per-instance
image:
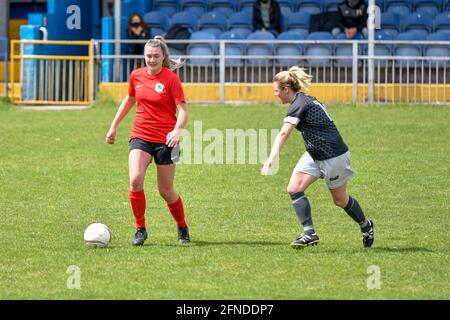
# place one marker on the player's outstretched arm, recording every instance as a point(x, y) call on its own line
point(124, 108)
point(278, 144)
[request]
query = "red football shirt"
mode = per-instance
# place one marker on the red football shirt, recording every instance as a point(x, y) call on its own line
point(157, 97)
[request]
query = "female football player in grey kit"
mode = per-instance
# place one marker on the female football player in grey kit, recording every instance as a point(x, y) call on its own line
point(326, 156)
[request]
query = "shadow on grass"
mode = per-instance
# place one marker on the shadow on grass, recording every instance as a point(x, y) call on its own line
point(400, 249)
point(200, 243)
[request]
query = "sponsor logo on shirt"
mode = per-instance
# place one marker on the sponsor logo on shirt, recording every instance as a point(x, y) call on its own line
point(139, 86)
point(159, 87)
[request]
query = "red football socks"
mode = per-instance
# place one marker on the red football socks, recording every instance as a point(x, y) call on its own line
point(177, 211)
point(137, 200)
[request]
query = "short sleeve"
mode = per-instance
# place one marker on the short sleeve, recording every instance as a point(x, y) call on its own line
point(294, 114)
point(131, 90)
point(176, 90)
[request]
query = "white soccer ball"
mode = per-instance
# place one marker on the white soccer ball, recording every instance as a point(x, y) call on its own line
point(97, 235)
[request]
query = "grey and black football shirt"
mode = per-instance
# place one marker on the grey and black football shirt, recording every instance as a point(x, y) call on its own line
point(321, 137)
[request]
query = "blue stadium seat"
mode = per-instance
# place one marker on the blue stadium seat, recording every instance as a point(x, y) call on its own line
point(205, 48)
point(185, 19)
point(418, 22)
point(246, 5)
point(214, 22)
point(319, 49)
point(285, 14)
point(442, 22)
point(169, 7)
point(241, 22)
point(390, 22)
point(197, 7)
point(260, 49)
point(233, 49)
point(158, 22)
point(299, 22)
point(432, 7)
point(311, 6)
point(402, 7)
point(286, 4)
point(225, 7)
point(346, 49)
point(331, 5)
point(412, 48)
point(289, 49)
point(438, 50)
point(383, 49)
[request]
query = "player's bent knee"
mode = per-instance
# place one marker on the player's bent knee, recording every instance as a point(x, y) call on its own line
point(341, 203)
point(167, 194)
point(291, 189)
point(136, 183)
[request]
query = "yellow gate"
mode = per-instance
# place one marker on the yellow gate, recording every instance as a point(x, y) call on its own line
point(54, 78)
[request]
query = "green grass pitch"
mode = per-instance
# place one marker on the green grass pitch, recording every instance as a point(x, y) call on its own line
point(57, 175)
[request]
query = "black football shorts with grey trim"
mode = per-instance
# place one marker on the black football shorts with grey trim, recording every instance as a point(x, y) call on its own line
point(162, 153)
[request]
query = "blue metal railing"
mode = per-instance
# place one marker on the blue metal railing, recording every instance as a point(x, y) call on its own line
point(4, 42)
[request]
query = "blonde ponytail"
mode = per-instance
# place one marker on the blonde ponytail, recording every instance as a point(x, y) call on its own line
point(295, 78)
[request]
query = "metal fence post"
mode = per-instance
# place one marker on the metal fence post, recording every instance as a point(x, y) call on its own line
point(222, 71)
point(355, 71)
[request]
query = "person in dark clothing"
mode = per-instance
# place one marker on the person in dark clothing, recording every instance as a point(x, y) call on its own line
point(327, 156)
point(267, 16)
point(353, 18)
point(136, 30)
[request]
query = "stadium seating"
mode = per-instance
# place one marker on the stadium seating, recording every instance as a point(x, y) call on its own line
point(299, 22)
point(431, 7)
point(437, 50)
point(391, 22)
point(246, 5)
point(169, 7)
point(197, 7)
point(225, 7)
point(233, 18)
point(241, 22)
point(233, 49)
point(206, 48)
point(383, 49)
point(158, 22)
point(331, 5)
point(214, 22)
point(319, 49)
point(185, 19)
point(346, 49)
point(402, 7)
point(285, 13)
point(418, 22)
point(289, 49)
point(260, 49)
point(442, 22)
point(311, 6)
point(413, 47)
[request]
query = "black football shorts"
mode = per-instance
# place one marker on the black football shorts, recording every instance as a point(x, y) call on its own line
point(162, 153)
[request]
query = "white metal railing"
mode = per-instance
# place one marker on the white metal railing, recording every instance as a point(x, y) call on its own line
point(395, 78)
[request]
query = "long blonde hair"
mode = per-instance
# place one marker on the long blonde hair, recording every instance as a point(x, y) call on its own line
point(295, 78)
point(159, 42)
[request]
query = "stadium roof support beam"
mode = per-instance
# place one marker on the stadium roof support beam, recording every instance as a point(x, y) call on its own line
point(117, 26)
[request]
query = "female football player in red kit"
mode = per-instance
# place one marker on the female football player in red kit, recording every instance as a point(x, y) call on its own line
point(155, 133)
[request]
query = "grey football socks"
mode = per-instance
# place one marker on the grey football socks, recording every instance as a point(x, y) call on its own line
point(303, 210)
point(355, 212)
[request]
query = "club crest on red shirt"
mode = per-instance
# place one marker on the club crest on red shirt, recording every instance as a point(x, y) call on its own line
point(159, 87)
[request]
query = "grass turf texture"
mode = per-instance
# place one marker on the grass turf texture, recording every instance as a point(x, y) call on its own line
point(57, 176)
